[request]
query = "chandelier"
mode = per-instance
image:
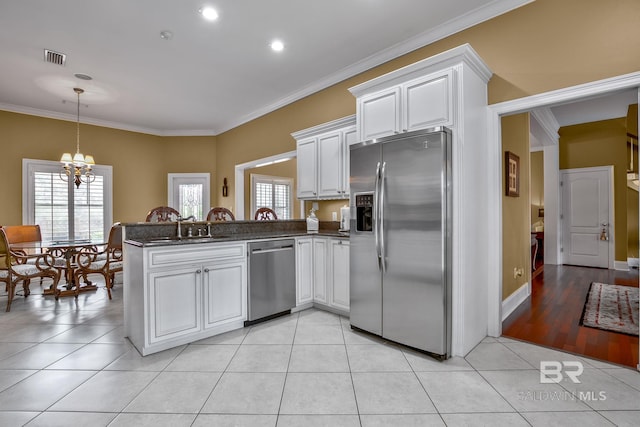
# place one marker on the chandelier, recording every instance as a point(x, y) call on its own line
point(79, 165)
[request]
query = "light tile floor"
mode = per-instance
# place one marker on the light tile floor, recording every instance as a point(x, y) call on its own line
point(66, 363)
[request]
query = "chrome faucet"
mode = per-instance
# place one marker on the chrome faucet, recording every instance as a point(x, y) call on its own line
point(179, 220)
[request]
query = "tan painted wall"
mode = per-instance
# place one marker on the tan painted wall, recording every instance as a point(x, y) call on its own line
point(516, 235)
point(601, 144)
point(139, 172)
point(537, 185)
point(190, 155)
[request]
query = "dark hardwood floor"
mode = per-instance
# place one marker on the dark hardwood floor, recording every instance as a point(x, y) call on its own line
point(550, 316)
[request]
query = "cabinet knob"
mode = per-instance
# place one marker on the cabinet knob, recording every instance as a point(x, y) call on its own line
point(206, 270)
point(198, 271)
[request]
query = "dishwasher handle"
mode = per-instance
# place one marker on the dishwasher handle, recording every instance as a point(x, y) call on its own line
point(278, 249)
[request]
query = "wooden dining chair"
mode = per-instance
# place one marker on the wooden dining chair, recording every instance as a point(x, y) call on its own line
point(162, 214)
point(265, 214)
point(220, 214)
point(105, 260)
point(15, 267)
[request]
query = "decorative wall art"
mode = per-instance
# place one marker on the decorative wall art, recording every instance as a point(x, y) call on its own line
point(512, 174)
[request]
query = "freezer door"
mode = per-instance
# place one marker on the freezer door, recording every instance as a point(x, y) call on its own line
point(415, 241)
point(364, 274)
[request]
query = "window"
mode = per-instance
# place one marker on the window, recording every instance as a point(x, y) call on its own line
point(189, 194)
point(272, 192)
point(62, 210)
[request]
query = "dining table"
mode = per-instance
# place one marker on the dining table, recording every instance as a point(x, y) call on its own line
point(64, 253)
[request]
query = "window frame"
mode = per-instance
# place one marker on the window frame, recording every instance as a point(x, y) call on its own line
point(272, 180)
point(31, 166)
point(203, 178)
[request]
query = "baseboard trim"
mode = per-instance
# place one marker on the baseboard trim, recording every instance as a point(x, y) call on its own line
point(514, 300)
point(621, 265)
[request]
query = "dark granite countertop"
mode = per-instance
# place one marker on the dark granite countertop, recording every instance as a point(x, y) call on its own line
point(164, 234)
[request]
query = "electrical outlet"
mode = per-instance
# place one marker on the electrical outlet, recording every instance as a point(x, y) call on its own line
point(517, 272)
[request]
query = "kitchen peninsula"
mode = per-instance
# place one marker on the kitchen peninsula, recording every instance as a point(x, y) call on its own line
point(180, 290)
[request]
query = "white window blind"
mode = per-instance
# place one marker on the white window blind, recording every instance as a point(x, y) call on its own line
point(62, 210)
point(272, 192)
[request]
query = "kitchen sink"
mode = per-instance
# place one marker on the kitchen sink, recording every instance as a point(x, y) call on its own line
point(194, 239)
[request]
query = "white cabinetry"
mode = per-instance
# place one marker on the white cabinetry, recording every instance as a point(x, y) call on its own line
point(224, 295)
point(448, 89)
point(304, 271)
point(421, 103)
point(323, 159)
point(320, 270)
point(179, 294)
point(322, 274)
point(168, 290)
point(339, 273)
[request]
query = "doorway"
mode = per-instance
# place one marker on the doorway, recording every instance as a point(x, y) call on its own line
point(631, 81)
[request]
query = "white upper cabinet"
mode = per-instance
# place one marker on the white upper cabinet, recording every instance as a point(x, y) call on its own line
point(428, 102)
point(379, 113)
point(421, 103)
point(323, 159)
point(307, 160)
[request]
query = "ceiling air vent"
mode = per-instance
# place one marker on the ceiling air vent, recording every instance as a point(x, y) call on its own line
point(54, 57)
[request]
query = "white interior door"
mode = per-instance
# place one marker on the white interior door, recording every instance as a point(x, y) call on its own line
point(587, 215)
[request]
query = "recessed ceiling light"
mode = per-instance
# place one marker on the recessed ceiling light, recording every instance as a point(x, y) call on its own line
point(209, 13)
point(277, 45)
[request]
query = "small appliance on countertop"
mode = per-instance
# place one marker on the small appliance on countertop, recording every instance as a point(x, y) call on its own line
point(344, 218)
point(313, 224)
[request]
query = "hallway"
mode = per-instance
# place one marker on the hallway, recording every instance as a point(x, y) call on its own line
point(551, 315)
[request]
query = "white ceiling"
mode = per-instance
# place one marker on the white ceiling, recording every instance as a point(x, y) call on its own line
point(211, 76)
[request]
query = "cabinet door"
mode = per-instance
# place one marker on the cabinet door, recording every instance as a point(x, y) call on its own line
point(320, 270)
point(379, 114)
point(225, 292)
point(306, 158)
point(330, 161)
point(175, 302)
point(428, 102)
point(304, 271)
point(339, 280)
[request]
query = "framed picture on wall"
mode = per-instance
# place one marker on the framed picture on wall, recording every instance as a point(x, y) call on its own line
point(512, 174)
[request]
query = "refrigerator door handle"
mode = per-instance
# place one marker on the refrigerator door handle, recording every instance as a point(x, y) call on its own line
point(375, 214)
point(383, 251)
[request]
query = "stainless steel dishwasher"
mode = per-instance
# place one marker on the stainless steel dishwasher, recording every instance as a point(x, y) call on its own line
point(272, 279)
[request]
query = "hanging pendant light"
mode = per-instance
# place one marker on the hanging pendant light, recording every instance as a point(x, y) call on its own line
point(79, 165)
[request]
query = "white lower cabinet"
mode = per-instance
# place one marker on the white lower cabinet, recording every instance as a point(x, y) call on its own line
point(180, 294)
point(322, 275)
point(339, 273)
point(304, 271)
point(225, 299)
point(320, 270)
point(175, 303)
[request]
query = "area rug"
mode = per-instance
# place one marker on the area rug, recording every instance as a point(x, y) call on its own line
point(612, 308)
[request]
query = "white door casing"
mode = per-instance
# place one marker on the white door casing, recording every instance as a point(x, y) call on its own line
point(494, 190)
point(587, 217)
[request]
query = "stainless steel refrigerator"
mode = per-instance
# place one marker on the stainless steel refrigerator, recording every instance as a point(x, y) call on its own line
point(400, 239)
